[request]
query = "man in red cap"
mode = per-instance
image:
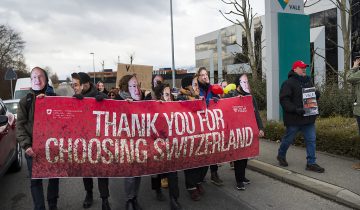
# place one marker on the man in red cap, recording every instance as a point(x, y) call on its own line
point(295, 119)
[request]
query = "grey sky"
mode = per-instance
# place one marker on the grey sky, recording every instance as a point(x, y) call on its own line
point(61, 34)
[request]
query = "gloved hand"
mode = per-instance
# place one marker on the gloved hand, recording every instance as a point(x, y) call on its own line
point(216, 99)
point(99, 97)
point(300, 111)
point(78, 96)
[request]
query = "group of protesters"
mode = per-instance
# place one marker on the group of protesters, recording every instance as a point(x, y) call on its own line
point(192, 88)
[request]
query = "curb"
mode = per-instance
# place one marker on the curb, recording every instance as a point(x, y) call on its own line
point(324, 189)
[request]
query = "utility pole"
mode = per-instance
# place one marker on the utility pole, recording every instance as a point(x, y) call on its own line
point(93, 54)
point(172, 45)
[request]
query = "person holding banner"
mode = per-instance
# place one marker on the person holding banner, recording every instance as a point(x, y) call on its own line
point(156, 80)
point(24, 135)
point(193, 177)
point(163, 90)
point(292, 99)
point(206, 91)
point(130, 91)
point(243, 89)
point(84, 88)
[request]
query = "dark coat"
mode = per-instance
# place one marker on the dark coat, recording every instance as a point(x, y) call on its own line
point(25, 117)
point(93, 92)
point(291, 99)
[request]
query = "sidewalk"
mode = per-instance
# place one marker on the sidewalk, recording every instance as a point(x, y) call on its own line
point(339, 182)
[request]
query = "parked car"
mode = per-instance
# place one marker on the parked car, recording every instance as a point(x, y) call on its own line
point(10, 150)
point(12, 106)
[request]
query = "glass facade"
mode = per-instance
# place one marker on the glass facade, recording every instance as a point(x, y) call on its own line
point(228, 38)
point(355, 27)
point(328, 18)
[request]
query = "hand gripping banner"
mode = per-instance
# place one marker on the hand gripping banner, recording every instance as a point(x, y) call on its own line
point(87, 138)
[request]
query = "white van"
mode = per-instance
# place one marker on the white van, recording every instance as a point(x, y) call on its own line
point(23, 86)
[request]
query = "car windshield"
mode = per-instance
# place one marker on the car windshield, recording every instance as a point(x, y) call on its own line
point(12, 107)
point(19, 94)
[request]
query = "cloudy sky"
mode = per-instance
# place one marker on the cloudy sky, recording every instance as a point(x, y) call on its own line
point(61, 34)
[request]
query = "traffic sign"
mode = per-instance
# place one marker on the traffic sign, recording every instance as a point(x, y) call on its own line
point(10, 74)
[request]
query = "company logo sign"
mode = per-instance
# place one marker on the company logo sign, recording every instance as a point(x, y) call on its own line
point(294, 6)
point(283, 3)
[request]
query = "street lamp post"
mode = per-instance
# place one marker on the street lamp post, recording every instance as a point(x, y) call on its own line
point(93, 54)
point(172, 45)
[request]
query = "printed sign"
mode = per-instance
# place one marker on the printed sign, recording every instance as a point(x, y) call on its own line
point(86, 138)
point(309, 101)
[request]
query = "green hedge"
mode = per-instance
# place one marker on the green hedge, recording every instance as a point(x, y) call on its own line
point(334, 101)
point(335, 135)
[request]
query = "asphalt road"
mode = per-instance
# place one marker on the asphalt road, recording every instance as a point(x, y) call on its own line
point(262, 193)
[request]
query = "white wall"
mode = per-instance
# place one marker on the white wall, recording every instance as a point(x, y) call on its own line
point(317, 36)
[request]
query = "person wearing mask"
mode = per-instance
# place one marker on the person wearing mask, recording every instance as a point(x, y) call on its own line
point(101, 88)
point(205, 91)
point(243, 89)
point(130, 91)
point(157, 180)
point(24, 135)
point(84, 88)
point(163, 90)
point(155, 81)
point(354, 79)
point(291, 100)
point(193, 177)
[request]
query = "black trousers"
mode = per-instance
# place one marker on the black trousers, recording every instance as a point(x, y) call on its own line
point(172, 181)
point(194, 176)
point(239, 167)
point(103, 185)
point(214, 168)
point(37, 191)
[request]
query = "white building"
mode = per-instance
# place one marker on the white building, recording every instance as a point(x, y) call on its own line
point(325, 41)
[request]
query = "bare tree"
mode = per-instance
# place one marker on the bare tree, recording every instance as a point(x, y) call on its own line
point(345, 27)
point(346, 14)
point(244, 10)
point(11, 56)
point(11, 47)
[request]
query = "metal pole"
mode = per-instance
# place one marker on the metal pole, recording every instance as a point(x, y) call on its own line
point(12, 95)
point(93, 54)
point(172, 45)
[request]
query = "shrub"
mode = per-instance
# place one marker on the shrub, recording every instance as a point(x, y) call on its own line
point(334, 101)
point(335, 135)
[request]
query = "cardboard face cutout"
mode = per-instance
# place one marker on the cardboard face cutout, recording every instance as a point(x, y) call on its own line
point(195, 86)
point(244, 83)
point(134, 89)
point(38, 80)
point(167, 94)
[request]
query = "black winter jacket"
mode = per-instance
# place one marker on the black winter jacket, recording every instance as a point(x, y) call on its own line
point(93, 92)
point(291, 99)
point(25, 117)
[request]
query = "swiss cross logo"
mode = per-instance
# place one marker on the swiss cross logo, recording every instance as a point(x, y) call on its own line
point(283, 3)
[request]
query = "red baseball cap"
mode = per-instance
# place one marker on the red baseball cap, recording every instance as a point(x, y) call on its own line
point(300, 64)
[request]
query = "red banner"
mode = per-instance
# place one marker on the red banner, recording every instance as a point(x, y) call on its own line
point(86, 138)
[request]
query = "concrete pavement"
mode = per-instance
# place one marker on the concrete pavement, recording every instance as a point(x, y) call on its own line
point(339, 182)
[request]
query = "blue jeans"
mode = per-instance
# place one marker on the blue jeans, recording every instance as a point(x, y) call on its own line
point(309, 133)
point(37, 191)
